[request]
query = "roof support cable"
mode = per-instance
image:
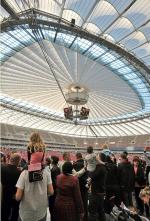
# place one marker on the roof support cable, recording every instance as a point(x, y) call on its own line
point(93, 132)
point(36, 33)
point(59, 20)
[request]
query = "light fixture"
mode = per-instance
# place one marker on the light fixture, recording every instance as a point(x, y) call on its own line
point(76, 96)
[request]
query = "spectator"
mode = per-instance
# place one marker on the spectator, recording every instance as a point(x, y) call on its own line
point(126, 180)
point(48, 164)
point(66, 158)
point(106, 150)
point(36, 148)
point(112, 186)
point(98, 186)
point(139, 183)
point(3, 158)
point(9, 176)
point(78, 165)
point(68, 203)
point(33, 195)
point(125, 153)
point(147, 159)
point(23, 164)
point(113, 158)
point(55, 171)
point(90, 159)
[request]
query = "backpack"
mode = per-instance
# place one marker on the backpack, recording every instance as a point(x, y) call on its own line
point(35, 171)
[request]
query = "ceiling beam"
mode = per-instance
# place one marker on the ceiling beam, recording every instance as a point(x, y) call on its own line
point(7, 7)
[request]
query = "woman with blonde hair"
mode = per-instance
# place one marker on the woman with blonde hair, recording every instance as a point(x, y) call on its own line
point(36, 145)
point(106, 150)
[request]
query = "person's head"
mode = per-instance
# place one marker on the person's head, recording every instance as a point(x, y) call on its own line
point(102, 157)
point(105, 147)
point(78, 156)
point(36, 143)
point(23, 163)
point(126, 153)
point(145, 195)
point(3, 158)
point(67, 168)
point(48, 161)
point(123, 158)
point(136, 161)
point(15, 159)
point(113, 158)
point(89, 149)
point(54, 160)
point(66, 156)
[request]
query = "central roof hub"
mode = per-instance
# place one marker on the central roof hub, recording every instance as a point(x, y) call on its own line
point(77, 94)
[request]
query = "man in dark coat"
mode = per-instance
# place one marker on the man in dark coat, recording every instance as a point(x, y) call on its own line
point(112, 186)
point(9, 176)
point(126, 180)
point(98, 186)
point(139, 183)
point(78, 165)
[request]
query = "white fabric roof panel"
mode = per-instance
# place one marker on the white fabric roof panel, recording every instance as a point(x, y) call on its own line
point(118, 91)
point(139, 13)
point(121, 28)
point(120, 5)
point(134, 40)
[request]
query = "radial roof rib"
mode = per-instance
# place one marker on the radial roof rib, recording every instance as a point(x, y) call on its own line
point(61, 12)
point(86, 18)
point(8, 8)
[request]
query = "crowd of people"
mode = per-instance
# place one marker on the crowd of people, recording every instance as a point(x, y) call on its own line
point(84, 190)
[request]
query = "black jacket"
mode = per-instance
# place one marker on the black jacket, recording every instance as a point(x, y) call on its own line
point(78, 165)
point(139, 176)
point(55, 171)
point(9, 177)
point(112, 176)
point(126, 176)
point(98, 176)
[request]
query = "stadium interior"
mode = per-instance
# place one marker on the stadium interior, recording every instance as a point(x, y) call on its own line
point(76, 75)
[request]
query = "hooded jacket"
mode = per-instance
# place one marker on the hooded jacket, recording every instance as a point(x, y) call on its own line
point(126, 176)
point(98, 179)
